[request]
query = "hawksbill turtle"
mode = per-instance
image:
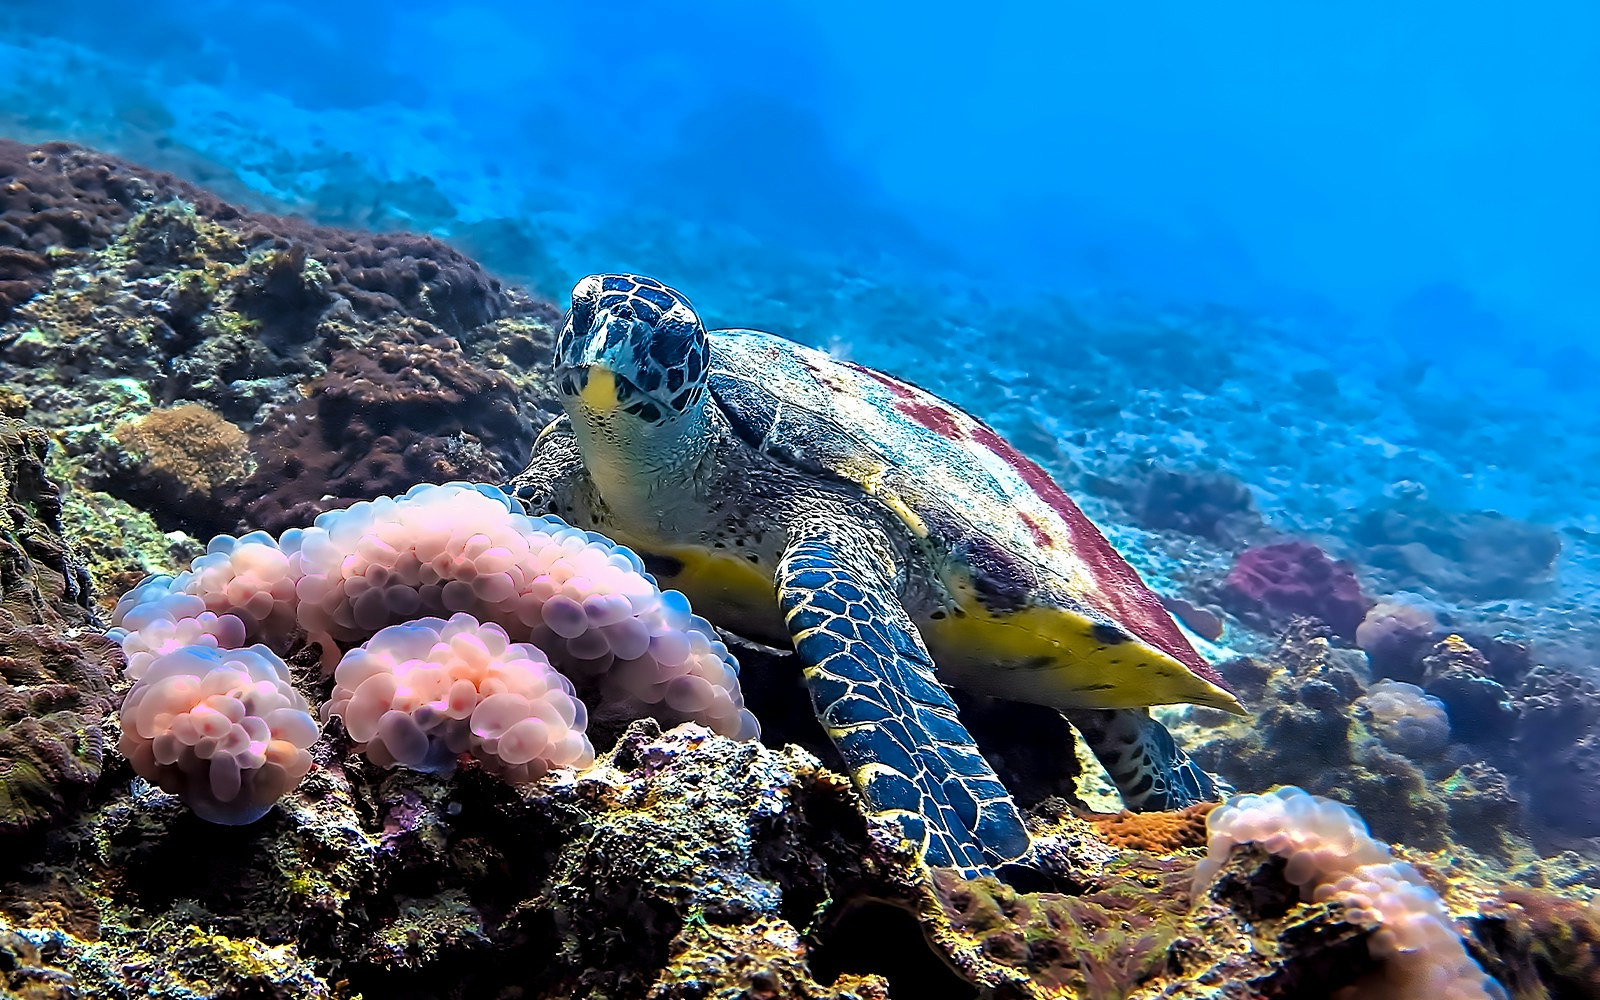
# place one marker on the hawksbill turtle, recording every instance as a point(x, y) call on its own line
point(898, 543)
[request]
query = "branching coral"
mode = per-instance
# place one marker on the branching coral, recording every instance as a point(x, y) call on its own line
point(1330, 857)
point(508, 579)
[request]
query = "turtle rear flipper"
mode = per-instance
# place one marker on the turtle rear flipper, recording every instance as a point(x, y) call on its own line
point(1143, 760)
point(873, 687)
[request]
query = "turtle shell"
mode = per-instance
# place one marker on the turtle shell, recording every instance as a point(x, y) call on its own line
point(951, 478)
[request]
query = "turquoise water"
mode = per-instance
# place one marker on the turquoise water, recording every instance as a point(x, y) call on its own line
point(1344, 257)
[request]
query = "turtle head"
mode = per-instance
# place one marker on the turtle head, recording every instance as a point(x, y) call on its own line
point(630, 347)
point(630, 367)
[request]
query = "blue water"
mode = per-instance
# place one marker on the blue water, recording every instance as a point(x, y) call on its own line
point(1425, 173)
point(1398, 202)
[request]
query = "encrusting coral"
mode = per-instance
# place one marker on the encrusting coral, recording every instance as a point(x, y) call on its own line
point(1330, 857)
point(1155, 832)
point(420, 694)
point(55, 689)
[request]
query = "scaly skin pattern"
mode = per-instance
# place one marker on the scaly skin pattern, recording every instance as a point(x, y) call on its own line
point(874, 687)
point(756, 474)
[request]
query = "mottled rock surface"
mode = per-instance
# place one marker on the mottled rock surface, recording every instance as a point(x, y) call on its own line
point(55, 667)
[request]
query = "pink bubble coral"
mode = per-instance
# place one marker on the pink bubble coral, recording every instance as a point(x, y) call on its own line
point(1331, 857)
point(524, 583)
point(222, 729)
point(419, 695)
point(583, 599)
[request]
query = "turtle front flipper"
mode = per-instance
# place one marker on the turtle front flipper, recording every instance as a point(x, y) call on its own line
point(548, 484)
point(1143, 760)
point(873, 687)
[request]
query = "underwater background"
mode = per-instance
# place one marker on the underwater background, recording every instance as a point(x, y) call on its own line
point(1300, 305)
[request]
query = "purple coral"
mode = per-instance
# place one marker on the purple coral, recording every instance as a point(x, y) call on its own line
point(1272, 582)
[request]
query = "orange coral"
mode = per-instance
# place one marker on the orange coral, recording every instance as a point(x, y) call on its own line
point(190, 445)
point(1155, 832)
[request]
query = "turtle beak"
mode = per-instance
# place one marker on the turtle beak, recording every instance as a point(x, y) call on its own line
point(587, 370)
point(606, 344)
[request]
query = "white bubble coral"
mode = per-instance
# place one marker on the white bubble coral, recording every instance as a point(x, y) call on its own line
point(222, 729)
point(419, 695)
point(1331, 857)
point(1407, 718)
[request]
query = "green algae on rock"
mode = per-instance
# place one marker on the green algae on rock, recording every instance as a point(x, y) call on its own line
point(55, 668)
point(340, 355)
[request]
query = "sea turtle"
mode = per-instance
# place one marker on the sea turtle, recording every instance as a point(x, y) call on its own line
point(895, 541)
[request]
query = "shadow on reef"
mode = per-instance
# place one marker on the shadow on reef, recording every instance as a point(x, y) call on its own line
point(141, 319)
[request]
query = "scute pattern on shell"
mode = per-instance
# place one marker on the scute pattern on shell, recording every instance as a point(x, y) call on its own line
point(949, 475)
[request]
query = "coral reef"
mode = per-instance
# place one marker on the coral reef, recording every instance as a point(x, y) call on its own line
point(341, 356)
point(1211, 505)
point(54, 672)
point(420, 695)
point(1478, 555)
point(1157, 832)
point(223, 730)
point(1310, 732)
point(1406, 718)
point(1270, 583)
point(1548, 945)
point(681, 864)
point(417, 691)
point(1458, 675)
point(410, 406)
point(1330, 857)
point(185, 455)
point(1099, 945)
point(1393, 635)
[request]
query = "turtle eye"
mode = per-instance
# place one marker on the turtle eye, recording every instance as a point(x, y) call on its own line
point(579, 321)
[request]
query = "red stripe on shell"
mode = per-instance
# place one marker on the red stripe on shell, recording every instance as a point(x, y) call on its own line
point(1133, 604)
point(898, 388)
point(1041, 537)
point(940, 419)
